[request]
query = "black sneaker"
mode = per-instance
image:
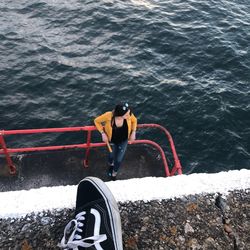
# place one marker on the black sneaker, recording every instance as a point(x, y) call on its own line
point(97, 223)
point(110, 170)
point(113, 178)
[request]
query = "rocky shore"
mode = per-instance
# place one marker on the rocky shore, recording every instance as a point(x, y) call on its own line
point(192, 222)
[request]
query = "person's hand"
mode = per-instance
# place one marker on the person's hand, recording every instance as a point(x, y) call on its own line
point(104, 137)
point(132, 136)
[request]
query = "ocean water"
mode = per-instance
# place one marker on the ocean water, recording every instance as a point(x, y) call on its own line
point(182, 64)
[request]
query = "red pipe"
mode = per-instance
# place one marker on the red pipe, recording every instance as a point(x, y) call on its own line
point(49, 148)
point(159, 148)
point(177, 166)
point(12, 168)
point(90, 145)
point(47, 130)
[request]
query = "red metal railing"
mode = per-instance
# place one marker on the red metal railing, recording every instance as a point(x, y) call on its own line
point(12, 169)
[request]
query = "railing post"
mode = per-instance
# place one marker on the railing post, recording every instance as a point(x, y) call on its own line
point(177, 165)
point(12, 168)
point(86, 160)
point(157, 146)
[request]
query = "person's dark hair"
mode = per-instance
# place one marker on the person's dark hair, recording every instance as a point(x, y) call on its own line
point(121, 109)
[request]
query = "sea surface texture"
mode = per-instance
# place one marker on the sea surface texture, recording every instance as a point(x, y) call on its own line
point(182, 64)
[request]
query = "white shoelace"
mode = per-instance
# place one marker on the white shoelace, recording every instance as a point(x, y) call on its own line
point(75, 240)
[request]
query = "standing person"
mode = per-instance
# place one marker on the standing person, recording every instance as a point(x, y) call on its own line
point(117, 127)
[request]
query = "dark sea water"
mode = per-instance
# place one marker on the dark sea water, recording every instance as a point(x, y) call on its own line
point(182, 64)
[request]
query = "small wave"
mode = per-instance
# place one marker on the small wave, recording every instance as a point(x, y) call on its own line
point(174, 82)
point(144, 3)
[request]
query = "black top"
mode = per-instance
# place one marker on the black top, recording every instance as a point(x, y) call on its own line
point(120, 134)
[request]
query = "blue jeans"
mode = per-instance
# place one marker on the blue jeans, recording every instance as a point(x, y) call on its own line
point(117, 155)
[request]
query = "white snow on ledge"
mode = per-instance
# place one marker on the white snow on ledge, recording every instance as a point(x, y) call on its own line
point(16, 204)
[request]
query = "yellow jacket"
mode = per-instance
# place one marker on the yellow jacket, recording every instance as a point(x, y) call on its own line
point(105, 120)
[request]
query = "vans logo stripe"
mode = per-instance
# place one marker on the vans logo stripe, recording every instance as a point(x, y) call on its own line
point(97, 226)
